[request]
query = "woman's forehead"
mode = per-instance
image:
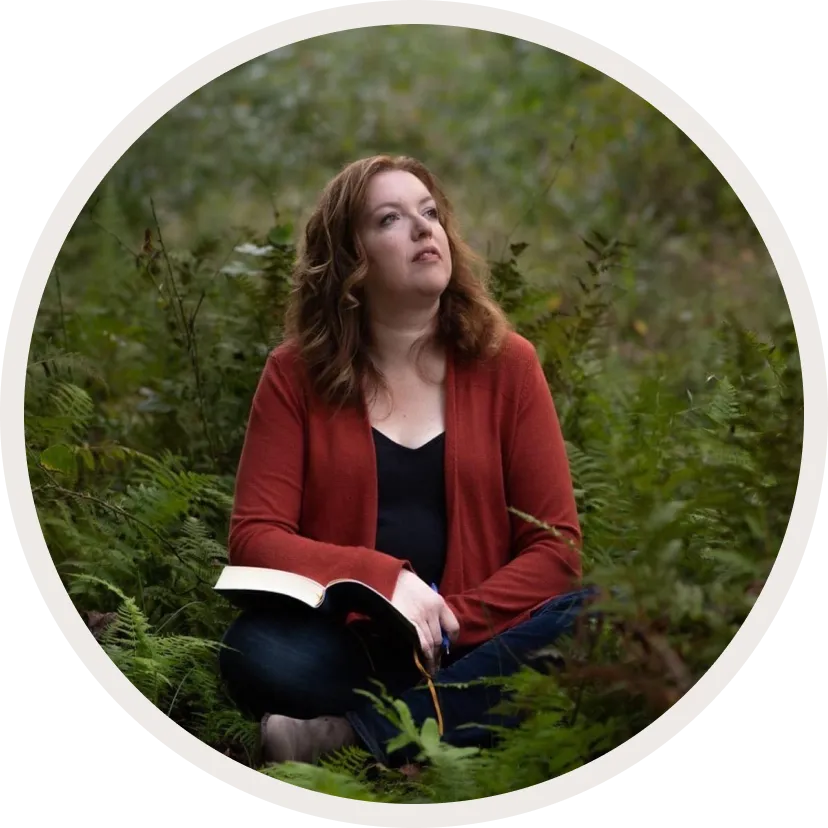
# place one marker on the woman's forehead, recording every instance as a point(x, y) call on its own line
point(395, 186)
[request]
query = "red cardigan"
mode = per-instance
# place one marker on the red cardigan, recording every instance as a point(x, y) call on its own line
point(306, 489)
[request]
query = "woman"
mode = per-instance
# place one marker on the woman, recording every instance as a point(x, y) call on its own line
point(388, 436)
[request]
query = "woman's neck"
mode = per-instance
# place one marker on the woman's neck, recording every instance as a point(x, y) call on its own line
point(394, 333)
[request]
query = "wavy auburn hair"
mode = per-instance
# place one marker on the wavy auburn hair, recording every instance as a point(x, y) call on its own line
point(326, 315)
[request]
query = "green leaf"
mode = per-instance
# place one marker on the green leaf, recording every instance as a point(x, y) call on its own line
point(666, 514)
point(430, 736)
point(59, 458)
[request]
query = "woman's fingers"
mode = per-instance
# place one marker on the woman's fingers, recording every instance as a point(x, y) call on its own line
point(429, 613)
point(436, 635)
point(449, 622)
point(427, 644)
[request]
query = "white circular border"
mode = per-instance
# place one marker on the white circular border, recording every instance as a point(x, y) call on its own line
point(466, 16)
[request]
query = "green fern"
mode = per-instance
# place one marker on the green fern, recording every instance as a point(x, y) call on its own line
point(685, 462)
point(723, 408)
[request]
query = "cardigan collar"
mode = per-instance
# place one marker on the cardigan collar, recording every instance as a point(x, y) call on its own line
point(452, 457)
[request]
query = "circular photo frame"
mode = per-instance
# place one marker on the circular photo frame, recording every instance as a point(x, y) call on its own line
point(815, 435)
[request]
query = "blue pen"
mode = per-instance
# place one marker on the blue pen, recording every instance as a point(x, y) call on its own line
point(446, 642)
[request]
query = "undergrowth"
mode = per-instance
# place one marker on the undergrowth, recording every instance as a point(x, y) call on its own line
point(685, 465)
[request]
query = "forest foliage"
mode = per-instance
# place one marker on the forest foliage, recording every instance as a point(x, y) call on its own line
point(614, 246)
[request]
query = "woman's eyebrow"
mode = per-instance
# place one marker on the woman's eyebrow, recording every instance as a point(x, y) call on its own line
point(398, 204)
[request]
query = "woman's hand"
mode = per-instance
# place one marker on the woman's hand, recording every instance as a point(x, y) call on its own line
point(427, 610)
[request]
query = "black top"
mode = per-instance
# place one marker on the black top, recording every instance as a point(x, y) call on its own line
point(411, 516)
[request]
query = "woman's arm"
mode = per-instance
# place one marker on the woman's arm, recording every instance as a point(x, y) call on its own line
point(538, 483)
point(268, 497)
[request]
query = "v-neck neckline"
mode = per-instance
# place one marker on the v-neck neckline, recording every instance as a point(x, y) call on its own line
point(450, 460)
point(410, 449)
point(449, 383)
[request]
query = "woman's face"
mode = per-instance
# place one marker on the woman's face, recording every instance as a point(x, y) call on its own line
point(406, 246)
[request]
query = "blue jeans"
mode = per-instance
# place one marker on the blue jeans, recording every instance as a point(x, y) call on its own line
point(303, 663)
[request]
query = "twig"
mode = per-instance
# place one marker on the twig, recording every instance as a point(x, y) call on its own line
point(269, 190)
point(553, 530)
point(172, 285)
point(546, 189)
point(128, 249)
point(116, 237)
point(189, 335)
point(178, 689)
point(204, 290)
point(55, 486)
point(581, 687)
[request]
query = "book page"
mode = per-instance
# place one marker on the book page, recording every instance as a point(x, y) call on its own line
point(264, 579)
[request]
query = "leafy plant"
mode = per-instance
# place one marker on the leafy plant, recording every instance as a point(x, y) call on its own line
point(684, 451)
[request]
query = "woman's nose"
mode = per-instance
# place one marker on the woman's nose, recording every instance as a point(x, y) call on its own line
point(421, 226)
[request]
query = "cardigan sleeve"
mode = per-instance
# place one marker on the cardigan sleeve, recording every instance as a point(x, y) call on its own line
point(543, 564)
point(264, 525)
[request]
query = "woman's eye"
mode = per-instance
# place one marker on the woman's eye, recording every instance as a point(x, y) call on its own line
point(384, 221)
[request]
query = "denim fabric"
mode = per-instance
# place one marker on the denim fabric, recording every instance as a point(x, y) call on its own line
point(303, 663)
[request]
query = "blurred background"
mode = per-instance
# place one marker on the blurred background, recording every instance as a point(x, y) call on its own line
point(531, 145)
point(614, 245)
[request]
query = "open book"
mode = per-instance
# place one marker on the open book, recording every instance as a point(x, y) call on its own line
point(262, 587)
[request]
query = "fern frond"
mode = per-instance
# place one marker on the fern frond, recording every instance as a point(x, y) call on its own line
point(56, 365)
point(723, 408)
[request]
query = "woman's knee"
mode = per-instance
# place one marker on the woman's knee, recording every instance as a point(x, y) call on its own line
point(292, 663)
point(565, 608)
point(287, 646)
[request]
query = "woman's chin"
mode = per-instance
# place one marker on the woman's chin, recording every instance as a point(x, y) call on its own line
point(431, 284)
point(431, 292)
